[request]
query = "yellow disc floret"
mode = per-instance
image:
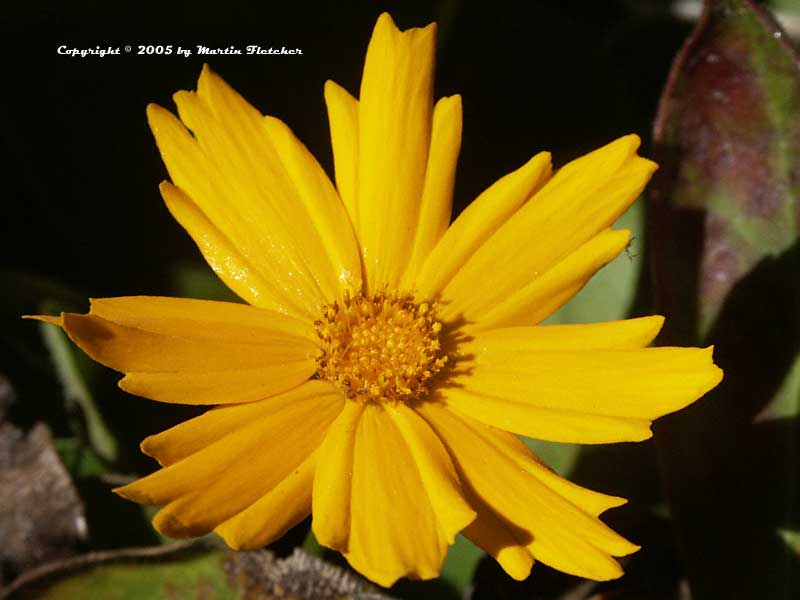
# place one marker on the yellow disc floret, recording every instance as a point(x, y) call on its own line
point(383, 347)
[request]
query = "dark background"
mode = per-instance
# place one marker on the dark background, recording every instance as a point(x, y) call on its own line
point(80, 199)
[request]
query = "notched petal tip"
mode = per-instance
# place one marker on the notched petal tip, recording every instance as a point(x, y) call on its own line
point(232, 541)
point(450, 104)
point(646, 434)
point(154, 110)
point(641, 168)
point(450, 109)
point(123, 385)
point(148, 446)
point(208, 77)
point(632, 142)
point(167, 190)
point(716, 373)
point(543, 156)
point(333, 90)
point(620, 234)
point(385, 27)
point(627, 144)
point(713, 373)
point(182, 98)
point(633, 139)
point(158, 118)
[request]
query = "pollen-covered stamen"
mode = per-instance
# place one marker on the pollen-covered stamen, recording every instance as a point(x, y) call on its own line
point(380, 347)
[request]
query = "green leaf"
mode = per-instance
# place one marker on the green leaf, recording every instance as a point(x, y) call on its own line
point(461, 562)
point(79, 459)
point(189, 574)
point(311, 546)
point(728, 137)
point(76, 391)
point(726, 219)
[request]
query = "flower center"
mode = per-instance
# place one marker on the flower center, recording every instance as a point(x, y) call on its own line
point(379, 347)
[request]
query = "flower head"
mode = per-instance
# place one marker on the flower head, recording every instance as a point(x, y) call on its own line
point(385, 361)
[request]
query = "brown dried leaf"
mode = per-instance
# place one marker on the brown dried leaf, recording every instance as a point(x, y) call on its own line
point(41, 515)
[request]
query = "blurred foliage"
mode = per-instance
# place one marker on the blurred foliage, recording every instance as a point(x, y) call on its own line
point(78, 458)
point(83, 208)
point(727, 256)
point(76, 393)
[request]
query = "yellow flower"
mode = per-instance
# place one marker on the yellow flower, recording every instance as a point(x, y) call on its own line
point(385, 357)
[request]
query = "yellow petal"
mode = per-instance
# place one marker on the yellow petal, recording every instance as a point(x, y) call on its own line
point(645, 383)
point(343, 120)
point(208, 319)
point(584, 396)
point(131, 349)
point(301, 196)
point(540, 295)
point(437, 194)
point(628, 334)
point(589, 501)
point(557, 425)
point(273, 514)
point(555, 530)
point(501, 540)
point(219, 387)
point(478, 222)
point(234, 141)
point(505, 541)
point(580, 201)
point(333, 480)
point(327, 213)
point(394, 531)
point(212, 485)
point(217, 203)
point(51, 319)
point(262, 191)
point(395, 118)
point(522, 417)
point(230, 265)
point(195, 351)
point(436, 471)
point(194, 435)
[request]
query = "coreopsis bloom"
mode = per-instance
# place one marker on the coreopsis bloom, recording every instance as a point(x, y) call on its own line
point(385, 361)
